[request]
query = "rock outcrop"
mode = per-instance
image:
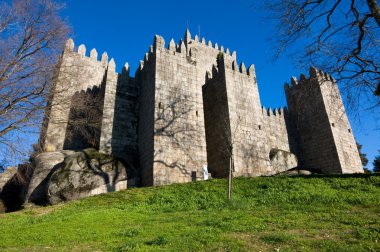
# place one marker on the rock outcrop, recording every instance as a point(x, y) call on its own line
point(282, 161)
point(45, 164)
point(68, 175)
point(84, 174)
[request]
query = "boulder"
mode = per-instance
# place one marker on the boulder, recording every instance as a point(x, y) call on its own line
point(305, 172)
point(297, 171)
point(68, 175)
point(84, 174)
point(282, 161)
point(45, 165)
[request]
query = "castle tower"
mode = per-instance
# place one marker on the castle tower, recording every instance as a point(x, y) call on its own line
point(324, 135)
point(172, 145)
point(237, 125)
point(91, 105)
point(77, 82)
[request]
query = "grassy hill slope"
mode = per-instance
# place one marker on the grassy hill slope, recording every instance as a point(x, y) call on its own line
point(325, 213)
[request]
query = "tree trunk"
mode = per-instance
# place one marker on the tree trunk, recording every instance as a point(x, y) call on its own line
point(229, 196)
point(375, 10)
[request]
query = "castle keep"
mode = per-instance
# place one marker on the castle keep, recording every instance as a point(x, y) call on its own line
point(189, 105)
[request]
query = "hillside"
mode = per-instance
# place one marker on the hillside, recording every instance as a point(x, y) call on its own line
point(319, 213)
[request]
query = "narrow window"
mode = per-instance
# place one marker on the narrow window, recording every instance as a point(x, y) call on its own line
point(196, 112)
point(259, 127)
point(349, 130)
point(159, 105)
point(333, 124)
point(193, 176)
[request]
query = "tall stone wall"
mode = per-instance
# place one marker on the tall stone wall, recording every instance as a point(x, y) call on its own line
point(111, 79)
point(178, 137)
point(75, 73)
point(91, 105)
point(125, 122)
point(217, 123)
point(324, 136)
point(85, 119)
point(277, 132)
point(120, 117)
point(234, 118)
point(250, 150)
point(145, 77)
point(174, 77)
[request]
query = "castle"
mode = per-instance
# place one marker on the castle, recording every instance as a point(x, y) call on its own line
point(190, 105)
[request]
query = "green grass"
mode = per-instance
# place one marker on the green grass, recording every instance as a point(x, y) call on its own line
point(321, 213)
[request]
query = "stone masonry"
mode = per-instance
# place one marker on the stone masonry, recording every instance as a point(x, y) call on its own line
point(191, 105)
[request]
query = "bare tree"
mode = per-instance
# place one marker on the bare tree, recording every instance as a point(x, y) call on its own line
point(342, 37)
point(230, 129)
point(230, 132)
point(32, 35)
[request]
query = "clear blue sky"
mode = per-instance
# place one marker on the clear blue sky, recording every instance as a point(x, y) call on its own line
point(125, 29)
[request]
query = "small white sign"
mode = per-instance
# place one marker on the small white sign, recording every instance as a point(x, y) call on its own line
point(205, 172)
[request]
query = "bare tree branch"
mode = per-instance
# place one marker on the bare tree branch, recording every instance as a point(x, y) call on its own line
point(32, 35)
point(341, 37)
point(375, 10)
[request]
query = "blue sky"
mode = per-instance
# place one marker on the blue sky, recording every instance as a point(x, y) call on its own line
point(125, 30)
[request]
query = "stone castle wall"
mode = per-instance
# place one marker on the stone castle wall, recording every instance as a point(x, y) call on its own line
point(120, 116)
point(145, 76)
point(75, 73)
point(324, 136)
point(236, 119)
point(186, 104)
point(174, 76)
point(91, 105)
point(217, 124)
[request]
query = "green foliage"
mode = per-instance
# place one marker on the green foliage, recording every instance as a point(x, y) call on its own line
point(363, 157)
point(376, 163)
point(276, 238)
point(314, 213)
point(366, 170)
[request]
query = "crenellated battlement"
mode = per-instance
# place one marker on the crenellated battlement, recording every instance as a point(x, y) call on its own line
point(158, 44)
point(314, 74)
point(81, 51)
point(202, 42)
point(276, 112)
point(231, 66)
point(250, 72)
point(93, 56)
point(172, 48)
point(186, 99)
point(275, 116)
point(213, 74)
